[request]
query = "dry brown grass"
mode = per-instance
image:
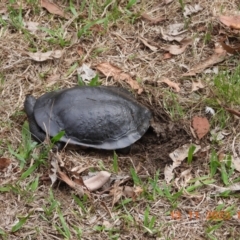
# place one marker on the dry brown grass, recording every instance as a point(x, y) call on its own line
point(118, 44)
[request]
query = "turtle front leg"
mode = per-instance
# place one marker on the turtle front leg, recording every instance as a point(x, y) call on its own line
point(37, 133)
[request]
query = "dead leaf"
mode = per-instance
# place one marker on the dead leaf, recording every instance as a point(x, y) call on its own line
point(201, 126)
point(144, 41)
point(177, 49)
point(171, 84)
point(236, 163)
point(41, 57)
point(176, 29)
point(111, 71)
point(234, 187)
point(178, 155)
point(170, 37)
point(184, 178)
point(168, 173)
point(168, 1)
point(235, 158)
point(167, 56)
point(155, 20)
point(86, 73)
point(70, 183)
point(4, 163)
point(54, 170)
point(31, 26)
point(218, 56)
point(189, 10)
point(97, 181)
point(233, 111)
point(80, 51)
point(230, 49)
point(128, 192)
point(52, 8)
point(196, 85)
point(218, 134)
point(132, 192)
point(116, 192)
point(107, 224)
point(231, 21)
point(80, 169)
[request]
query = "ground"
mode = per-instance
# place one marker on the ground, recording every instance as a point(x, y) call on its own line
point(180, 74)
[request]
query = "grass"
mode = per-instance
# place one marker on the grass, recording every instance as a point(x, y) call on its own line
point(108, 31)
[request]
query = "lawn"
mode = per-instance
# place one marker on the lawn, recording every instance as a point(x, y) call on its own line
point(180, 59)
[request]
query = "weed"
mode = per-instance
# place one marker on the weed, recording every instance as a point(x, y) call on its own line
point(136, 179)
point(86, 29)
point(182, 4)
point(3, 234)
point(227, 87)
point(172, 106)
point(81, 203)
point(149, 222)
point(52, 206)
point(20, 223)
point(63, 229)
point(72, 8)
point(56, 36)
point(131, 3)
point(156, 190)
point(225, 167)
point(214, 163)
point(190, 154)
point(93, 83)
point(26, 147)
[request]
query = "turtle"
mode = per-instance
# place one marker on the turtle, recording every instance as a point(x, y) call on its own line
point(100, 117)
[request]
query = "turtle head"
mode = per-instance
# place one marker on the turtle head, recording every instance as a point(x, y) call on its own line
point(29, 105)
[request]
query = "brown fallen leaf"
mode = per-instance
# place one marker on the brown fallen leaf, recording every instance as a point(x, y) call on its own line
point(167, 56)
point(52, 8)
point(231, 21)
point(80, 51)
point(144, 41)
point(41, 57)
point(132, 192)
point(201, 126)
point(174, 85)
point(4, 163)
point(168, 1)
point(111, 71)
point(116, 192)
point(155, 20)
point(196, 85)
point(177, 49)
point(218, 56)
point(230, 49)
point(71, 183)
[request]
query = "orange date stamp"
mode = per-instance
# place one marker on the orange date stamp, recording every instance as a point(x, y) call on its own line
point(210, 215)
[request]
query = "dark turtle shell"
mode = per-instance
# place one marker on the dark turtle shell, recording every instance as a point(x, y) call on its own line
point(98, 117)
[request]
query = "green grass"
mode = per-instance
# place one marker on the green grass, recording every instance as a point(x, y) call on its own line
point(227, 86)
